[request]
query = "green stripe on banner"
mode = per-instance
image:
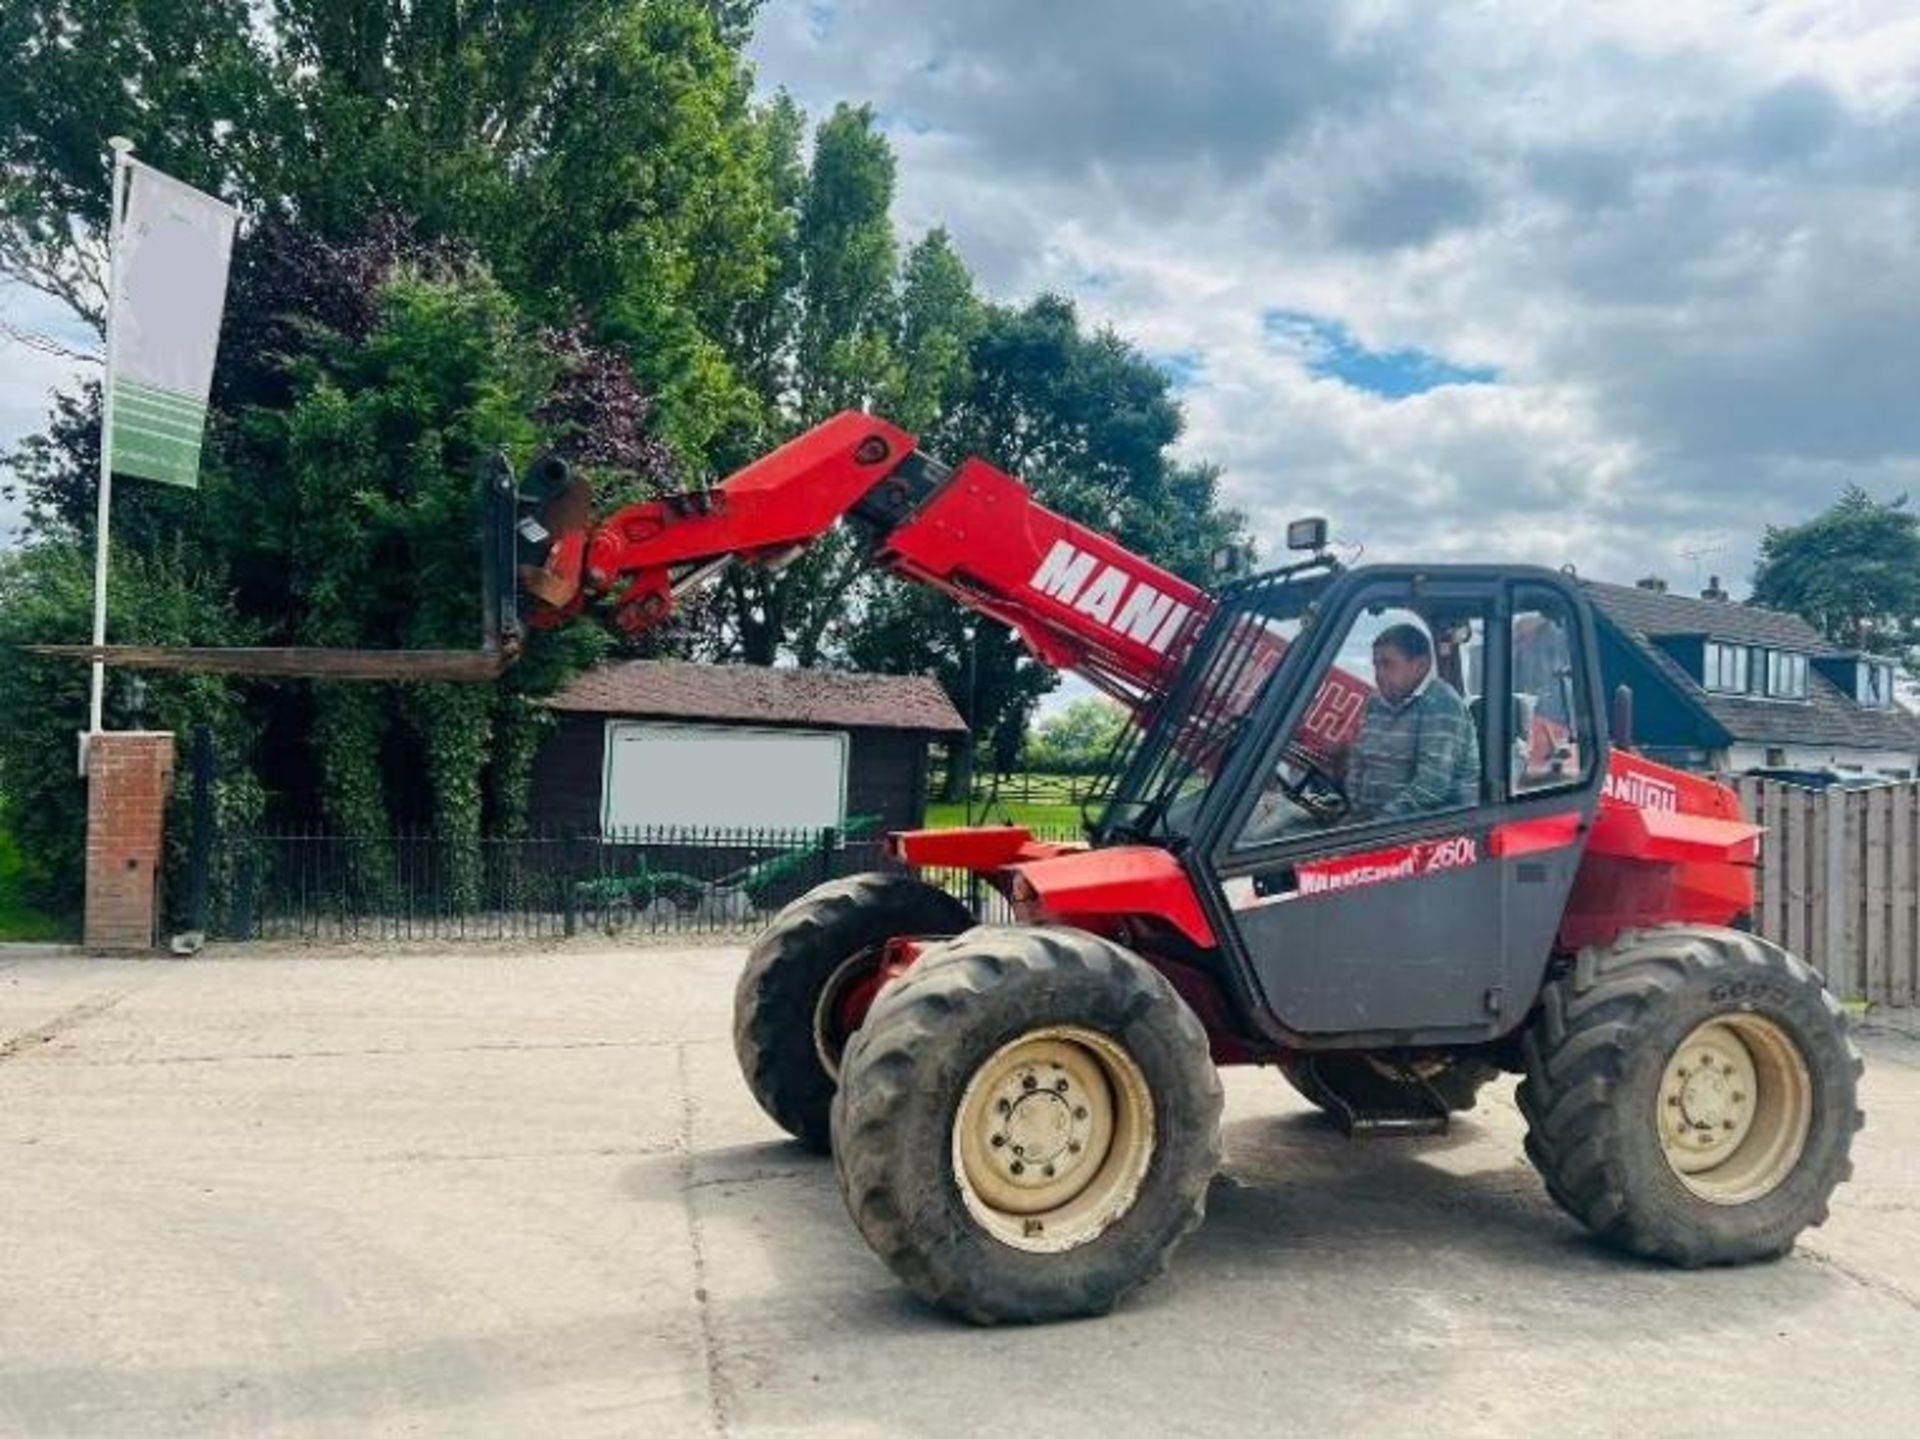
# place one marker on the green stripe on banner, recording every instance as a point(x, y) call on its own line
point(156, 433)
point(151, 454)
point(151, 420)
point(126, 389)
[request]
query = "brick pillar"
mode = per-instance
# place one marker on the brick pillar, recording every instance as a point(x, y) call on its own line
point(128, 776)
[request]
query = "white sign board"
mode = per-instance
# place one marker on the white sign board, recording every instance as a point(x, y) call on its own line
point(709, 777)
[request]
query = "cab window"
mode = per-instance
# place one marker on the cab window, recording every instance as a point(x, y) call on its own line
point(1552, 743)
point(1396, 728)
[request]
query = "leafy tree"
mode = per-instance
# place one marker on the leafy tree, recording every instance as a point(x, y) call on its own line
point(46, 597)
point(940, 319)
point(602, 157)
point(1853, 572)
point(847, 259)
point(189, 80)
point(843, 314)
point(1079, 738)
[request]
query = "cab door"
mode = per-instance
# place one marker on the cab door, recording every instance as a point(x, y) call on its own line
point(1394, 864)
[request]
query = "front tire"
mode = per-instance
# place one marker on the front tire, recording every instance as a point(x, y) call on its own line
point(789, 1008)
point(1027, 1125)
point(1691, 1095)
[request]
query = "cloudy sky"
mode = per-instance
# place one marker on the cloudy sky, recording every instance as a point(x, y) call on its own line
point(1612, 285)
point(29, 377)
point(1604, 285)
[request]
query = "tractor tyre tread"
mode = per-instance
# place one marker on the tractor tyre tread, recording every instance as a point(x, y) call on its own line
point(907, 1067)
point(1589, 1101)
point(789, 964)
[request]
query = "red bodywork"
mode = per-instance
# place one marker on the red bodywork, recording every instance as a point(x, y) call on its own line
point(1080, 601)
point(1664, 846)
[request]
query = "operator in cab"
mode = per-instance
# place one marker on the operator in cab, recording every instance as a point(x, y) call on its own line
point(1416, 751)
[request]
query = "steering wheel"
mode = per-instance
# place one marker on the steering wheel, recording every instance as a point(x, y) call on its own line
point(1316, 789)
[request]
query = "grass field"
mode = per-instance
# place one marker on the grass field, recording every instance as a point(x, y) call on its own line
point(1050, 818)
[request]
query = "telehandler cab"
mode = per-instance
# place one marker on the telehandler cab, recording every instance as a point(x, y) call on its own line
point(1025, 1117)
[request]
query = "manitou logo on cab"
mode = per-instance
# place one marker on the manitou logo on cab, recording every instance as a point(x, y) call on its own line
point(1112, 596)
point(1641, 791)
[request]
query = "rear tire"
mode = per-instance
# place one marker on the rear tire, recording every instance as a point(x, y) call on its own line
point(831, 936)
point(1691, 1095)
point(1028, 1125)
point(1339, 1084)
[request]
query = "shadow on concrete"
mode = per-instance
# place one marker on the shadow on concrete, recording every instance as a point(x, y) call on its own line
point(1299, 1209)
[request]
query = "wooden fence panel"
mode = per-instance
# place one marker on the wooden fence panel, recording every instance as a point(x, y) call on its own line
point(1839, 883)
point(1795, 824)
point(1904, 927)
point(1875, 891)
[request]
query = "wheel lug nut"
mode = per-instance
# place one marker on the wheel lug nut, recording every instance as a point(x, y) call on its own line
point(1004, 1107)
point(1048, 1171)
point(1079, 1111)
point(1027, 1081)
point(1073, 1146)
point(1739, 1098)
point(1726, 1124)
point(1019, 1149)
point(1060, 1085)
point(999, 1140)
point(1673, 1101)
point(1018, 1167)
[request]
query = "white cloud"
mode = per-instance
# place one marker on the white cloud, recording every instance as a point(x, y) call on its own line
point(1686, 238)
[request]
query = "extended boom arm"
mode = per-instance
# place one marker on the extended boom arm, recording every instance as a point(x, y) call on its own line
point(1078, 600)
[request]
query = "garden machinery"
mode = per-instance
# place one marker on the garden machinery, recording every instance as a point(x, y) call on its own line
point(1025, 1118)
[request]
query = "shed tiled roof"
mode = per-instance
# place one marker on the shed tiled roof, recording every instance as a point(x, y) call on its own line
point(1827, 716)
point(675, 689)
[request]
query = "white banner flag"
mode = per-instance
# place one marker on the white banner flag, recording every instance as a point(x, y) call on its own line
point(165, 324)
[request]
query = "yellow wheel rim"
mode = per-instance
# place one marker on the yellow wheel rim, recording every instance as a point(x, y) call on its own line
point(1734, 1109)
point(1052, 1138)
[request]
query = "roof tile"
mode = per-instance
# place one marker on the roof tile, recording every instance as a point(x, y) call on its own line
point(1827, 716)
point(677, 689)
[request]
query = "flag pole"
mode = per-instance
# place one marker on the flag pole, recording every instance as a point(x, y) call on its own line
point(121, 148)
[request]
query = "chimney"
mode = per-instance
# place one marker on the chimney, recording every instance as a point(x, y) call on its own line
point(1713, 590)
point(1651, 582)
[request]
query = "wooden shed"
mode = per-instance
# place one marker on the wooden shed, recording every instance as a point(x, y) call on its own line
point(669, 744)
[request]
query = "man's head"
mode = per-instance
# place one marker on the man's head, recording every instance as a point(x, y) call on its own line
point(1402, 658)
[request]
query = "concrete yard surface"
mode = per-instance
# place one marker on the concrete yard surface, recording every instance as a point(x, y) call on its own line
point(493, 1193)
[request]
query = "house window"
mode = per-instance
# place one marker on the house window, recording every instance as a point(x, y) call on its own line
point(1727, 669)
point(1875, 685)
point(1786, 675)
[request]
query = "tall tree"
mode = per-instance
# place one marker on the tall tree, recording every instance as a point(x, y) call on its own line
point(848, 259)
point(190, 80)
point(1853, 571)
point(601, 156)
point(940, 318)
point(845, 316)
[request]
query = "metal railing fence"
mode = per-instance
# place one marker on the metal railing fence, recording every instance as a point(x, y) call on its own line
point(421, 885)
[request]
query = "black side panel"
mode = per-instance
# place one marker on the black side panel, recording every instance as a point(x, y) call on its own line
point(1424, 957)
point(1535, 889)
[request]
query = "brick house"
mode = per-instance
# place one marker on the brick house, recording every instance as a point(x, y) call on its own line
point(1732, 687)
point(664, 743)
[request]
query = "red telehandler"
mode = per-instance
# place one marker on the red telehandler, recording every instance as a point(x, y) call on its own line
point(1025, 1118)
